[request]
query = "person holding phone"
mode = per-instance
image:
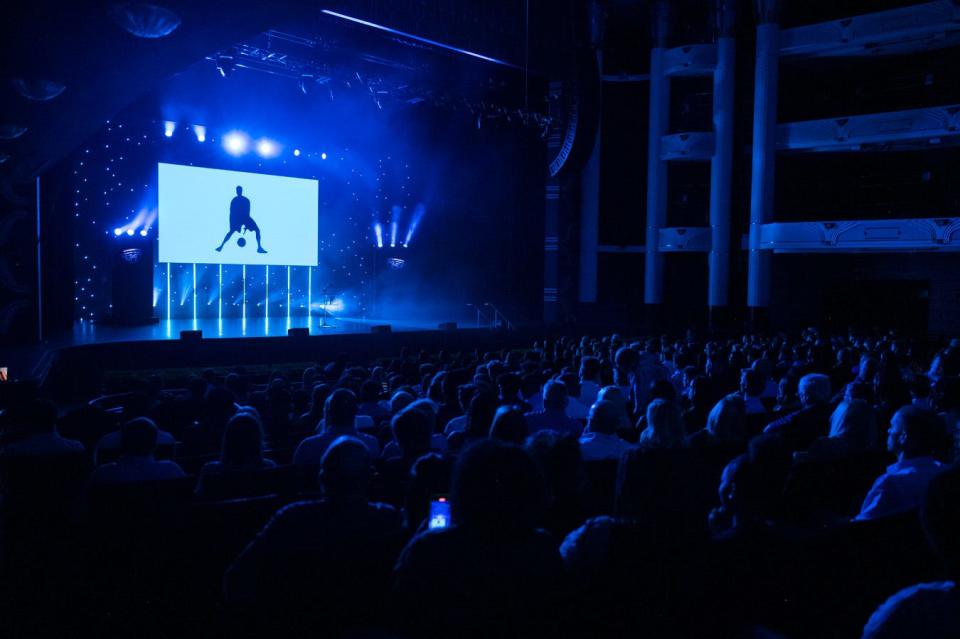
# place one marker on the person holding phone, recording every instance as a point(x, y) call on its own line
point(439, 513)
point(491, 569)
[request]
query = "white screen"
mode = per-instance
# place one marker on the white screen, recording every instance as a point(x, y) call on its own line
point(195, 215)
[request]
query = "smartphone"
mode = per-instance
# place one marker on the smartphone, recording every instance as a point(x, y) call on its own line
point(439, 512)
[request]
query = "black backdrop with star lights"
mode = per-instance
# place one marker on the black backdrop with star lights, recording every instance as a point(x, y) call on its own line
point(467, 200)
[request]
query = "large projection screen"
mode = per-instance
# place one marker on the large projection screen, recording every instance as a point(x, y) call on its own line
point(199, 207)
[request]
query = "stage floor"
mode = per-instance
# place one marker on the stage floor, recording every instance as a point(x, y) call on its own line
point(93, 333)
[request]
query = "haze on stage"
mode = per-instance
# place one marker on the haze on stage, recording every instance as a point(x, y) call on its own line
point(214, 216)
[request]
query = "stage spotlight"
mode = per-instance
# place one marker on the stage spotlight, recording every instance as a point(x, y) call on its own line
point(143, 233)
point(169, 128)
point(268, 148)
point(296, 152)
point(417, 215)
point(236, 143)
point(130, 232)
point(393, 234)
point(323, 156)
point(225, 64)
point(201, 132)
point(378, 230)
point(117, 231)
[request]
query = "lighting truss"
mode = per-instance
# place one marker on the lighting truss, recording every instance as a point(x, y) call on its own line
point(267, 59)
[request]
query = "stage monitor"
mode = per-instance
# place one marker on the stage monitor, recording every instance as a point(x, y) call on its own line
point(212, 216)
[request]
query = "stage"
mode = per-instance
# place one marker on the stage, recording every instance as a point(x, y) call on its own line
point(75, 365)
point(93, 333)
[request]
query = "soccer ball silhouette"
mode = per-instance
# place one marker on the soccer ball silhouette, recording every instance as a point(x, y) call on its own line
point(241, 242)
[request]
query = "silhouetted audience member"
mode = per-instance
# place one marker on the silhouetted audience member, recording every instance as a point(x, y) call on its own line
point(803, 426)
point(725, 426)
point(930, 610)
point(508, 385)
point(575, 406)
point(450, 405)
point(480, 414)
point(558, 457)
point(724, 517)
point(698, 404)
point(600, 439)
point(916, 436)
point(492, 571)
point(787, 400)
point(309, 421)
point(465, 393)
point(946, 399)
point(589, 380)
point(138, 443)
point(853, 431)
point(339, 414)
point(618, 397)
point(664, 425)
point(400, 400)
point(370, 402)
point(554, 414)
point(411, 435)
point(32, 431)
point(110, 446)
point(751, 388)
point(205, 436)
point(429, 477)
point(242, 449)
point(509, 425)
point(322, 564)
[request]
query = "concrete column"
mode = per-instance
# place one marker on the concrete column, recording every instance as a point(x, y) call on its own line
point(590, 216)
point(764, 155)
point(721, 165)
point(656, 175)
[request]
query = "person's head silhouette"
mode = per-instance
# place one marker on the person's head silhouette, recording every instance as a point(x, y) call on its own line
point(239, 190)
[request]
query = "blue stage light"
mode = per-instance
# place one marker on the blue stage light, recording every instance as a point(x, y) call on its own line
point(130, 232)
point(296, 152)
point(378, 230)
point(201, 132)
point(268, 148)
point(323, 156)
point(117, 231)
point(236, 142)
point(393, 233)
point(168, 128)
point(417, 215)
point(143, 233)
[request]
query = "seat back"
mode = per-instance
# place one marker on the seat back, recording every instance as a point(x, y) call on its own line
point(600, 485)
point(281, 480)
point(147, 506)
point(42, 486)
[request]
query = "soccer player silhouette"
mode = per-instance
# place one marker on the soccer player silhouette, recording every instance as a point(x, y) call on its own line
point(240, 219)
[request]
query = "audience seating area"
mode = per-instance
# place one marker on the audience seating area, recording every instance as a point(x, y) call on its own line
point(756, 486)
